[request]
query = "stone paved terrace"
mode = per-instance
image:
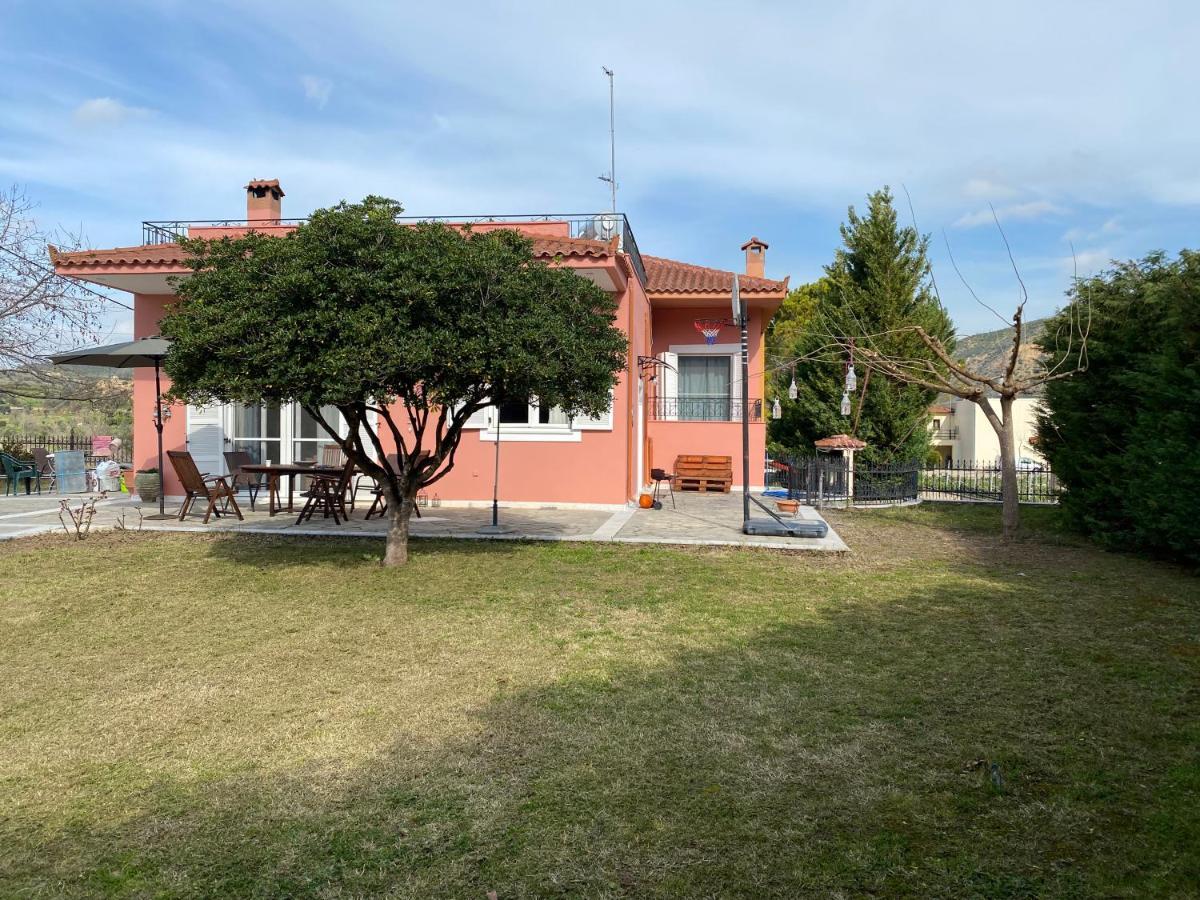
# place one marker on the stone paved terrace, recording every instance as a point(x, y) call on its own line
point(698, 519)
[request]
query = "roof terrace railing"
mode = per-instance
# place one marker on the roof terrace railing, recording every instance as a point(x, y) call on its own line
point(597, 227)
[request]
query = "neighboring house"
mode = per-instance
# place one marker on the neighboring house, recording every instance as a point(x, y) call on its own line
point(691, 405)
point(959, 431)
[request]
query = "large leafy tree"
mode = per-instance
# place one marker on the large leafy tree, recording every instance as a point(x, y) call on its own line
point(876, 290)
point(1123, 438)
point(420, 325)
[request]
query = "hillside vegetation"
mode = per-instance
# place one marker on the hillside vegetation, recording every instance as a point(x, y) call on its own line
point(86, 400)
point(988, 352)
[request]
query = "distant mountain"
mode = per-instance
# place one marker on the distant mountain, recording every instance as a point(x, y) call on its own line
point(988, 352)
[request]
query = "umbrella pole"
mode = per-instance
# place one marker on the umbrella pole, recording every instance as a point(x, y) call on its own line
point(158, 426)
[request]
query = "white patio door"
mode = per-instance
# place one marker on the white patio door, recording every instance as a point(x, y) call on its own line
point(205, 438)
point(279, 433)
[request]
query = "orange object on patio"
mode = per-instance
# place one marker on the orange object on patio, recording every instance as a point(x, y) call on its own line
point(703, 473)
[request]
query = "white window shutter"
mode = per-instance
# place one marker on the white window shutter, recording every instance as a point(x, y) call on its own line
point(667, 394)
point(481, 418)
point(206, 437)
point(597, 423)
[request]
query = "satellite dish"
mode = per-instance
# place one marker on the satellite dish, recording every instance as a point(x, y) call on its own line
point(738, 311)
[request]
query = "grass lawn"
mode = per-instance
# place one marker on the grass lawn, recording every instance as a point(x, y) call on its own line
point(217, 716)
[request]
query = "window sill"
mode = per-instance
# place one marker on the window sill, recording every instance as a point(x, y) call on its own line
point(530, 434)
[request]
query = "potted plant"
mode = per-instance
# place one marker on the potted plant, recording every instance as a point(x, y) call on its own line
point(145, 482)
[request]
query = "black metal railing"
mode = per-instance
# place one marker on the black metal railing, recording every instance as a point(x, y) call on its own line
point(826, 479)
point(980, 481)
point(944, 434)
point(598, 226)
point(22, 445)
point(703, 409)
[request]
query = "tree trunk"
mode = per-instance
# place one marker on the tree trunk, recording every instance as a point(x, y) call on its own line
point(400, 510)
point(1011, 511)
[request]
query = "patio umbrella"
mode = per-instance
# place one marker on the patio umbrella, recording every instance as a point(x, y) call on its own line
point(140, 354)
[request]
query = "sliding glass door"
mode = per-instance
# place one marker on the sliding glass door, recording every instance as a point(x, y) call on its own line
point(704, 386)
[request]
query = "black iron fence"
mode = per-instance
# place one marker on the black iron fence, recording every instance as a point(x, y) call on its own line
point(721, 408)
point(979, 481)
point(22, 445)
point(823, 480)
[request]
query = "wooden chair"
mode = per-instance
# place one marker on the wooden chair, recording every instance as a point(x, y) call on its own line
point(380, 505)
point(251, 481)
point(212, 488)
point(328, 494)
point(332, 455)
point(45, 468)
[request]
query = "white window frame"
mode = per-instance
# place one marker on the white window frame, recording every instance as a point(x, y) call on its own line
point(733, 351)
point(528, 431)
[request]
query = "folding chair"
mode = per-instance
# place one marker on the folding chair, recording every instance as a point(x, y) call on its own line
point(211, 487)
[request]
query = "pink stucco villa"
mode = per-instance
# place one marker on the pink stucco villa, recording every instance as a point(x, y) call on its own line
point(658, 412)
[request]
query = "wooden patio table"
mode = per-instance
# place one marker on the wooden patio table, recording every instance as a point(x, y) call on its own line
point(276, 471)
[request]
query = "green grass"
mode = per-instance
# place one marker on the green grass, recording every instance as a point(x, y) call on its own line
point(205, 716)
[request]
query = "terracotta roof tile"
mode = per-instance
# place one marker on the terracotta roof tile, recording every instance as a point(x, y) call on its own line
point(753, 241)
point(273, 184)
point(840, 442)
point(938, 410)
point(666, 276)
point(144, 255)
point(172, 255)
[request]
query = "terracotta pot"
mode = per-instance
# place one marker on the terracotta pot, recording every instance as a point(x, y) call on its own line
point(791, 507)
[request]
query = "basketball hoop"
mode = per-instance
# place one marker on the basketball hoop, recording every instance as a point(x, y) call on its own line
point(710, 328)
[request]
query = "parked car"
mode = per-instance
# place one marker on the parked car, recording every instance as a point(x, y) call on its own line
point(1025, 464)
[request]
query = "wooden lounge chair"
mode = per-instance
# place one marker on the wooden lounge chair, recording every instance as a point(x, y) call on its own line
point(212, 488)
point(327, 493)
point(251, 481)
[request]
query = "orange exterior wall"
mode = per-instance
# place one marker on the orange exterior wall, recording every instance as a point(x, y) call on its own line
point(147, 310)
point(676, 325)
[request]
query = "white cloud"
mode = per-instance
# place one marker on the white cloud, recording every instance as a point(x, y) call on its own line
point(101, 111)
point(1017, 212)
point(986, 189)
point(1086, 262)
point(316, 90)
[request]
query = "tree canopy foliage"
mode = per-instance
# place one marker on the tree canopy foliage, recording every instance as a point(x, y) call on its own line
point(877, 285)
point(1123, 437)
point(421, 325)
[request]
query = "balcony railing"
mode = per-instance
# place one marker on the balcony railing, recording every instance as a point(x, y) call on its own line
point(703, 409)
point(944, 434)
point(597, 227)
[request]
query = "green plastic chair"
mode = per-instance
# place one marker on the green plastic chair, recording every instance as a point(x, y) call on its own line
point(16, 471)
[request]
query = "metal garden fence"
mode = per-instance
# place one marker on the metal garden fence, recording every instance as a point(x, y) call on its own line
point(24, 444)
point(978, 481)
point(823, 480)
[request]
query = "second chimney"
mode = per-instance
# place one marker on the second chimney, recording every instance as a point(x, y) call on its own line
point(262, 201)
point(756, 257)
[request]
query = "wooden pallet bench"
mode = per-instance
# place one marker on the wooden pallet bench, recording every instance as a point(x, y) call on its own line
point(703, 473)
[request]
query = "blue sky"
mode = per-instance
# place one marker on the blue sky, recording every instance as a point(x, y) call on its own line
point(1074, 120)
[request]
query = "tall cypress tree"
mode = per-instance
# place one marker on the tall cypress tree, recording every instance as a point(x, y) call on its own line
point(877, 283)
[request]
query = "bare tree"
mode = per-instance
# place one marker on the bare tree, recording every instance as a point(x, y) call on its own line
point(940, 371)
point(40, 311)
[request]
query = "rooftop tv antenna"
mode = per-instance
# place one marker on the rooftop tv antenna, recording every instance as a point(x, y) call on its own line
point(611, 177)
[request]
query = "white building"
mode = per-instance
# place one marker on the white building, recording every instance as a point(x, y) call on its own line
point(960, 431)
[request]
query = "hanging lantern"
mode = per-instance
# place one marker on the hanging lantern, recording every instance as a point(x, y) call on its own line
point(845, 403)
point(776, 409)
point(851, 379)
point(793, 391)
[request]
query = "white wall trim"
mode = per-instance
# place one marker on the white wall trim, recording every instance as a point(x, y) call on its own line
point(703, 349)
point(532, 434)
